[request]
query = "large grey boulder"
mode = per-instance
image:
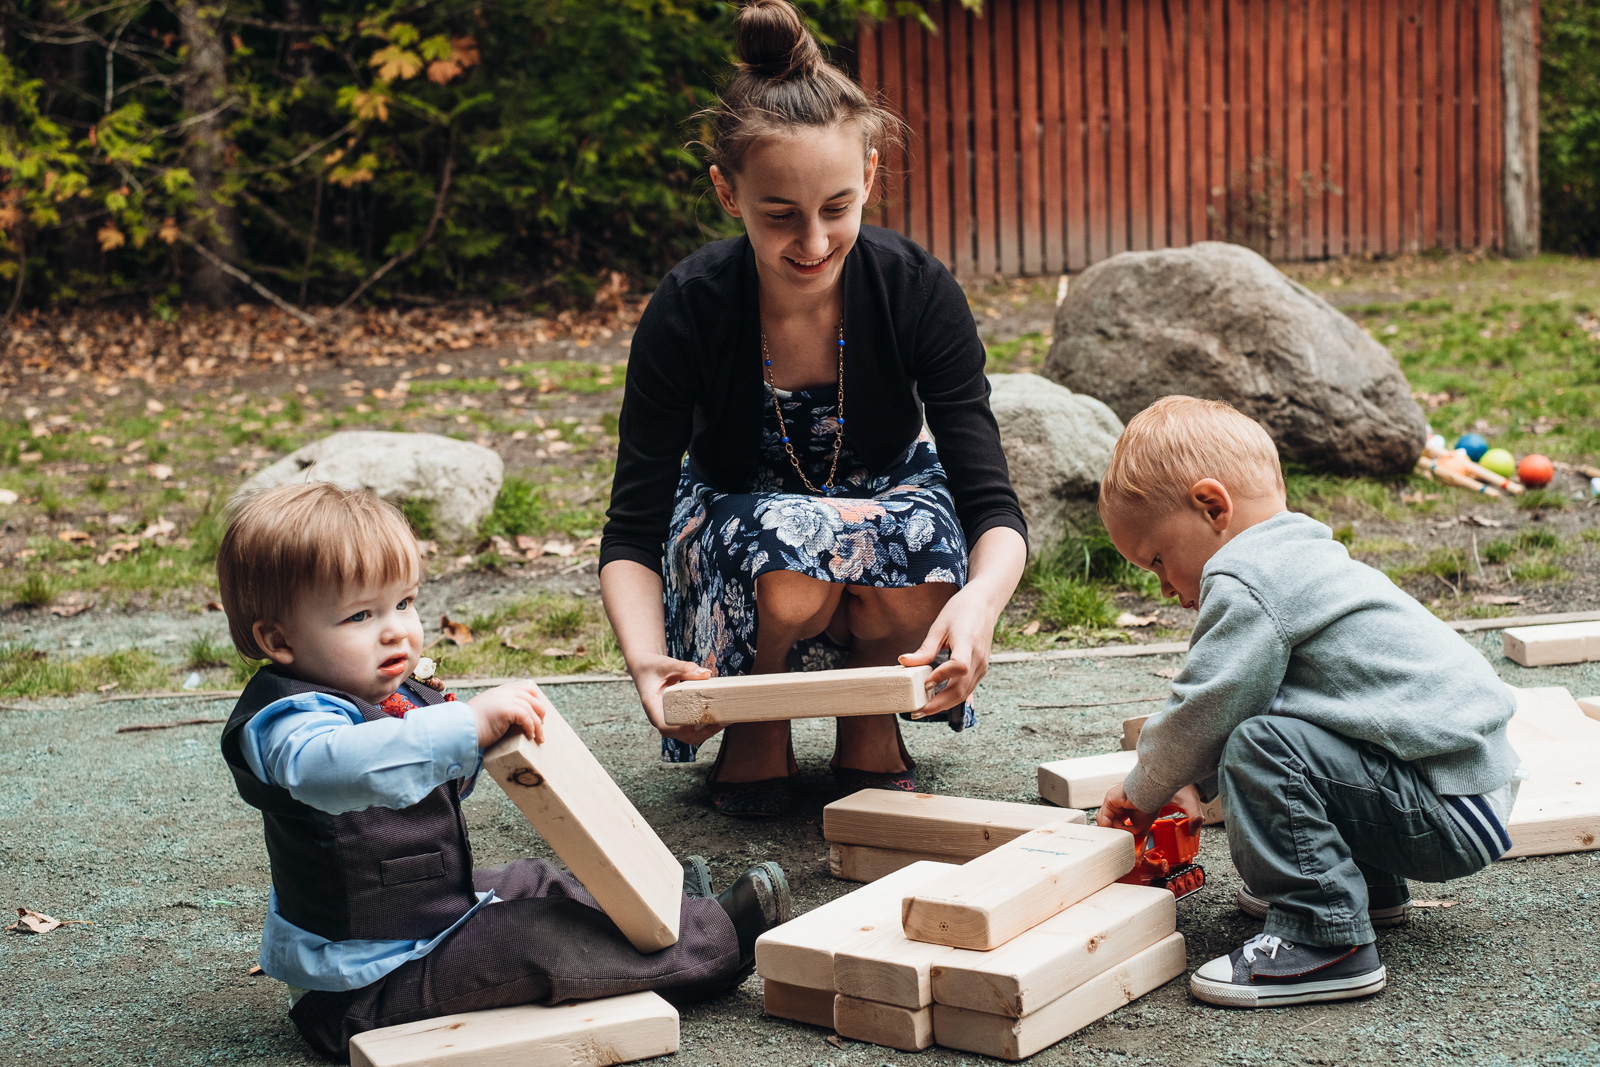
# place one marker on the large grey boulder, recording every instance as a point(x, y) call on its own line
point(1218, 321)
point(459, 478)
point(1057, 445)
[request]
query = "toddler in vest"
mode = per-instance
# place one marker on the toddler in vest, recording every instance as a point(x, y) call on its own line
point(1355, 740)
point(376, 915)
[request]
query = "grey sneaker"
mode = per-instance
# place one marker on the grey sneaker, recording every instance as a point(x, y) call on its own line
point(1269, 972)
point(1386, 905)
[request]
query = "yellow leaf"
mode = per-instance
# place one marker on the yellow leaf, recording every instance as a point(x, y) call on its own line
point(395, 64)
point(463, 51)
point(372, 106)
point(442, 70)
point(110, 237)
point(333, 157)
point(169, 230)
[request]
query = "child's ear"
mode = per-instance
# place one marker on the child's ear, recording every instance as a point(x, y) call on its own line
point(273, 642)
point(1211, 498)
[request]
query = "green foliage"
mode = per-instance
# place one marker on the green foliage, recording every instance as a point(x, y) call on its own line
point(549, 135)
point(420, 514)
point(30, 672)
point(35, 590)
point(204, 652)
point(519, 508)
point(1067, 600)
point(1569, 126)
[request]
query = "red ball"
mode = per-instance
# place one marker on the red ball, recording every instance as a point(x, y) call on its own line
point(1535, 471)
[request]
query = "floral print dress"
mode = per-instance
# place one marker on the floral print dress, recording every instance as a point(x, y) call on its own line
point(892, 529)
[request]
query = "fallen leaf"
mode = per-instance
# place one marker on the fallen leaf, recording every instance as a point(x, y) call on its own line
point(1478, 520)
point(212, 605)
point(560, 548)
point(160, 528)
point(67, 611)
point(1419, 498)
point(532, 546)
point(159, 471)
point(1434, 903)
point(1130, 620)
point(108, 687)
point(34, 922)
point(833, 1039)
point(1031, 629)
point(590, 542)
point(427, 548)
point(508, 638)
point(1489, 598)
point(133, 446)
point(29, 457)
point(75, 537)
point(1166, 672)
point(100, 440)
point(255, 969)
point(502, 547)
point(154, 406)
point(559, 653)
point(456, 633)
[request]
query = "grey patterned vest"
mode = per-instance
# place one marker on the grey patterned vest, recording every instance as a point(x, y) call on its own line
point(375, 874)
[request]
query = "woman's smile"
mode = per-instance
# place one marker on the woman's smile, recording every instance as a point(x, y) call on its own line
point(810, 266)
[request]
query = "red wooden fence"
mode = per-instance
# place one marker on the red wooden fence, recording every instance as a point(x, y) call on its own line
point(1049, 134)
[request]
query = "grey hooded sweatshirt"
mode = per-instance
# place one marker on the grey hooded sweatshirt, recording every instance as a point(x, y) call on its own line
point(1291, 625)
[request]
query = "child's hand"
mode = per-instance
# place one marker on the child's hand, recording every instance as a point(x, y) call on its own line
point(1118, 812)
point(1188, 798)
point(519, 705)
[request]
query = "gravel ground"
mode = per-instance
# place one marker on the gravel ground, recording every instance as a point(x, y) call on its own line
point(142, 834)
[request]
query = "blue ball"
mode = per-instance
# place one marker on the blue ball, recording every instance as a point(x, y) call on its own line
point(1475, 445)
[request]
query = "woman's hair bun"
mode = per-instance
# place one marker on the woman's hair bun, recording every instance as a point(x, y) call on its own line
point(773, 42)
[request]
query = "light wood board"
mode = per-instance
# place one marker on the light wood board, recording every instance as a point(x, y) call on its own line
point(813, 1007)
point(570, 799)
point(1082, 782)
point(800, 952)
point(887, 966)
point(1558, 806)
point(1131, 729)
point(1548, 714)
point(961, 828)
point(988, 901)
point(1590, 706)
point(1539, 646)
point(1060, 954)
point(1006, 1038)
point(796, 695)
point(883, 1024)
point(585, 1033)
point(863, 863)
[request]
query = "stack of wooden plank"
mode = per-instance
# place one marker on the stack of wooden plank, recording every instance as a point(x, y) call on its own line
point(878, 831)
point(1082, 782)
point(1003, 955)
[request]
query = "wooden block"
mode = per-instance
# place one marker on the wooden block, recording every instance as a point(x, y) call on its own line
point(1060, 954)
point(886, 966)
point(1131, 729)
point(1006, 1038)
point(1558, 806)
point(1548, 714)
point(1590, 706)
point(988, 901)
point(960, 828)
point(1082, 782)
point(1539, 646)
point(576, 807)
point(814, 1007)
point(585, 1033)
point(800, 952)
point(863, 863)
point(796, 695)
point(883, 1024)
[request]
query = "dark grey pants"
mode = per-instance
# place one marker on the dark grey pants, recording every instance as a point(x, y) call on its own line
point(1315, 817)
point(546, 942)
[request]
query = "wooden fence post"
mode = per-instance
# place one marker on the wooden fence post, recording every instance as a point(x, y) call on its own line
point(1519, 64)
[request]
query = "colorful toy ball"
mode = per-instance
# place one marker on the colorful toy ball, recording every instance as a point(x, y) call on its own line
point(1500, 461)
point(1474, 446)
point(1535, 471)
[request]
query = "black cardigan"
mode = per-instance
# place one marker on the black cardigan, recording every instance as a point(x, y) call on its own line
point(694, 381)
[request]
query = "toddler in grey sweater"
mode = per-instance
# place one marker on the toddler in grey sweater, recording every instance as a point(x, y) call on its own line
point(1355, 739)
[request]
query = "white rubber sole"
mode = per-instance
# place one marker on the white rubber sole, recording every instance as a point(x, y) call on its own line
point(1232, 995)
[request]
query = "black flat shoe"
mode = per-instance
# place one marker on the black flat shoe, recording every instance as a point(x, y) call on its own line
point(696, 878)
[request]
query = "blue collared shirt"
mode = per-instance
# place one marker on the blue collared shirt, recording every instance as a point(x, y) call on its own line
point(320, 749)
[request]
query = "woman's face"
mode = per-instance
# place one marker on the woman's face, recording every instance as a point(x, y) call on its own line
point(800, 195)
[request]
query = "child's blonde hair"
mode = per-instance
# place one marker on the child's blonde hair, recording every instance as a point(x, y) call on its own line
point(1176, 442)
point(282, 541)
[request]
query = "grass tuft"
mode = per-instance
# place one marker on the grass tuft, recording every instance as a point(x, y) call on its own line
point(421, 515)
point(30, 672)
point(204, 652)
point(35, 591)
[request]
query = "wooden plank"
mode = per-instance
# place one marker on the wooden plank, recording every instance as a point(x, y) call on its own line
point(814, 1007)
point(1373, 191)
point(1197, 154)
point(1257, 156)
point(1315, 245)
point(1027, 14)
point(1236, 171)
point(581, 813)
point(1275, 163)
point(1131, 728)
point(1082, 782)
point(1390, 62)
point(1445, 132)
point(800, 952)
point(871, 83)
point(919, 171)
point(1138, 128)
point(1097, 153)
point(1487, 124)
point(1052, 150)
point(961, 828)
point(1074, 115)
point(1013, 1039)
point(797, 695)
point(1541, 646)
point(938, 167)
point(585, 1033)
point(863, 863)
point(1590, 706)
point(1293, 110)
point(988, 901)
point(1410, 157)
point(1428, 134)
point(960, 50)
point(896, 180)
point(1005, 108)
point(883, 1024)
point(1057, 956)
point(1166, 42)
point(1558, 806)
point(983, 146)
point(1116, 55)
point(1466, 216)
point(1337, 97)
point(888, 967)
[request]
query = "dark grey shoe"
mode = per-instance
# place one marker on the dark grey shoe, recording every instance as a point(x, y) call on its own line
point(756, 903)
point(696, 878)
point(1268, 972)
point(1387, 905)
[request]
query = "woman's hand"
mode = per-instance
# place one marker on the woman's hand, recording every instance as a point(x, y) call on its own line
point(651, 675)
point(966, 627)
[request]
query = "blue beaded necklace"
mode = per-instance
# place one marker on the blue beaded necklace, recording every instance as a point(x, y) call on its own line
point(828, 488)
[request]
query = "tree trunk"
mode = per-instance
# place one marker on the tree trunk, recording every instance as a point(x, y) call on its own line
point(1519, 69)
point(299, 13)
point(205, 87)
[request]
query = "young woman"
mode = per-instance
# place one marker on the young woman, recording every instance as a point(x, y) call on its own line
point(813, 525)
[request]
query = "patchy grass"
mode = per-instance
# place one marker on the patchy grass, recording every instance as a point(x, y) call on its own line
point(204, 652)
point(30, 672)
point(1025, 353)
point(1070, 588)
point(1322, 496)
point(522, 637)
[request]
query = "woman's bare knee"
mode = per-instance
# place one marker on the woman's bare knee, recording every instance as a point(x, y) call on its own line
point(877, 614)
point(791, 601)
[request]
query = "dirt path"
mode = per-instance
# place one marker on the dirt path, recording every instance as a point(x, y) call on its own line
point(142, 834)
